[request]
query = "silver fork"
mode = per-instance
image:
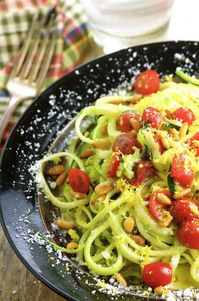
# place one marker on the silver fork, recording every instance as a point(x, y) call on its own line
point(31, 65)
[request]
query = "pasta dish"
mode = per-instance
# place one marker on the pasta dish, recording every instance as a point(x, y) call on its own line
point(128, 188)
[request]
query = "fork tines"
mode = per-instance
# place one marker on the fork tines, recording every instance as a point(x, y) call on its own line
point(33, 60)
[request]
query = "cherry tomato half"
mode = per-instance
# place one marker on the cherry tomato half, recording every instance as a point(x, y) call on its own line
point(125, 142)
point(160, 145)
point(195, 138)
point(184, 114)
point(156, 207)
point(181, 170)
point(188, 234)
point(147, 82)
point(115, 162)
point(78, 180)
point(143, 169)
point(183, 209)
point(153, 116)
point(123, 121)
point(157, 274)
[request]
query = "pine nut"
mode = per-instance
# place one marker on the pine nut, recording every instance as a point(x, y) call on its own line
point(78, 195)
point(179, 195)
point(135, 98)
point(174, 133)
point(183, 129)
point(129, 224)
point(102, 143)
point(165, 142)
point(66, 225)
point(168, 114)
point(86, 153)
point(72, 245)
point(159, 290)
point(120, 279)
point(135, 124)
point(103, 188)
point(61, 179)
point(139, 240)
point(56, 170)
point(162, 198)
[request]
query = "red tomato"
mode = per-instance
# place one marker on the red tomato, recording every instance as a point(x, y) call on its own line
point(196, 138)
point(78, 180)
point(123, 121)
point(156, 207)
point(181, 170)
point(183, 209)
point(125, 142)
point(184, 114)
point(147, 82)
point(159, 141)
point(115, 161)
point(188, 234)
point(153, 116)
point(143, 169)
point(157, 274)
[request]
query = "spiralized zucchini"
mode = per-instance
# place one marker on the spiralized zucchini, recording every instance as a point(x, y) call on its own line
point(106, 246)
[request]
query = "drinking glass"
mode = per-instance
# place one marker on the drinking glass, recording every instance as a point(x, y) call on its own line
point(118, 24)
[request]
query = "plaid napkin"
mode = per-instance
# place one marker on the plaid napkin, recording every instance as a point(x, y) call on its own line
point(15, 19)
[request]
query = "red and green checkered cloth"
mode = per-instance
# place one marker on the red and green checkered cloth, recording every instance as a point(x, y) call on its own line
point(15, 20)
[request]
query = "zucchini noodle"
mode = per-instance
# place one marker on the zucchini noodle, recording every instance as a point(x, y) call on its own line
point(114, 223)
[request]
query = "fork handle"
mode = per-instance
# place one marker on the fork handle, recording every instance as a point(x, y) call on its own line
point(13, 103)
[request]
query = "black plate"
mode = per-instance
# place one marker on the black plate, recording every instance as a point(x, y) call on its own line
point(35, 132)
